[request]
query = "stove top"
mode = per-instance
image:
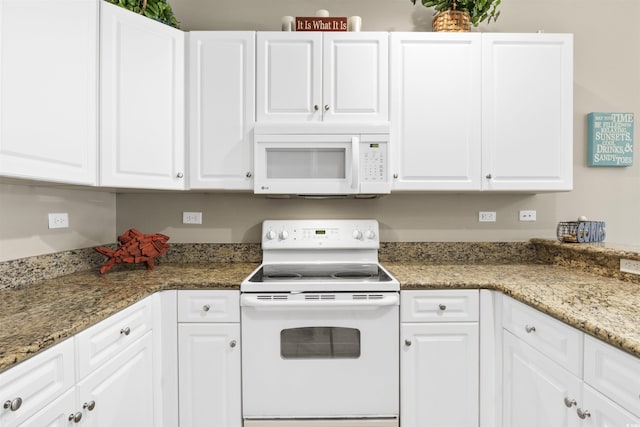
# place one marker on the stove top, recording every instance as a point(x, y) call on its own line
point(320, 256)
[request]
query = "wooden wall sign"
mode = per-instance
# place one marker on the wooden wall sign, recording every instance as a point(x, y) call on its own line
point(610, 139)
point(315, 23)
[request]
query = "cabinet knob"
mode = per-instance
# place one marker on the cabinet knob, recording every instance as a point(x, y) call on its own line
point(233, 343)
point(583, 414)
point(442, 307)
point(249, 175)
point(180, 175)
point(13, 405)
point(125, 331)
point(75, 417)
point(407, 343)
point(529, 329)
point(395, 176)
point(326, 108)
point(206, 307)
point(89, 405)
point(569, 402)
point(315, 107)
point(489, 176)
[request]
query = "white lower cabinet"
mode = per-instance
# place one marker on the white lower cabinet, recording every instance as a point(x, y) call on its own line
point(599, 411)
point(120, 393)
point(439, 363)
point(58, 413)
point(209, 359)
point(35, 383)
point(543, 386)
point(535, 388)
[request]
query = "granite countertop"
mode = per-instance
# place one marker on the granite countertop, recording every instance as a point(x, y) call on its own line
point(37, 316)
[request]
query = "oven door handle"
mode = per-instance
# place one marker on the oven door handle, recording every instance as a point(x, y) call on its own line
point(252, 301)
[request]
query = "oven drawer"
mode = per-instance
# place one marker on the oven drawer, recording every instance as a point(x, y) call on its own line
point(439, 306)
point(208, 306)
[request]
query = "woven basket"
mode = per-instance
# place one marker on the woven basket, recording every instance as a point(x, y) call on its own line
point(452, 21)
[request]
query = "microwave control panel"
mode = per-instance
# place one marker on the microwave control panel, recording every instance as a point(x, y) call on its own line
point(374, 161)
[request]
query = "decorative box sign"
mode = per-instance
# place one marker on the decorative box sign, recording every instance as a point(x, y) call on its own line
point(316, 23)
point(581, 231)
point(610, 140)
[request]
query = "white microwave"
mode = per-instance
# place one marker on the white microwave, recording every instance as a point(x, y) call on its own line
point(321, 160)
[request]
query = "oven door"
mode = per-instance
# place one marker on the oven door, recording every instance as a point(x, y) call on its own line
point(320, 356)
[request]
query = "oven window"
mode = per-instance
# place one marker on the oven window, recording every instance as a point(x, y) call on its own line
point(320, 343)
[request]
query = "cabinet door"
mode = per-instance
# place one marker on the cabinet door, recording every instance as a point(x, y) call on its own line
point(527, 122)
point(439, 374)
point(222, 105)
point(57, 413)
point(121, 391)
point(602, 412)
point(289, 77)
point(48, 87)
point(36, 382)
point(209, 374)
point(535, 388)
point(436, 111)
point(142, 101)
point(355, 77)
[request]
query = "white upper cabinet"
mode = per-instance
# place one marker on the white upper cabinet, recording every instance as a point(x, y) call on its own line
point(315, 77)
point(48, 89)
point(436, 111)
point(527, 107)
point(142, 102)
point(222, 109)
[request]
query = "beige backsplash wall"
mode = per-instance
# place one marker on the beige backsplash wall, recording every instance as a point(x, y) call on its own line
point(24, 228)
point(606, 70)
point(237, 218)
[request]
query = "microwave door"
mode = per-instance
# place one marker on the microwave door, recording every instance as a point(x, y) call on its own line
point(312, 166)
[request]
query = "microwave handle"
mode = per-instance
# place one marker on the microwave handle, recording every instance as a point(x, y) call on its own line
point(355, 164)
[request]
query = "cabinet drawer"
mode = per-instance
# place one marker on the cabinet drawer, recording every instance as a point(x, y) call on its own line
point(614, 373)
point(36, 382)
point(103, 341)
point(439, 306)
point(208, 306)
point(562, 343)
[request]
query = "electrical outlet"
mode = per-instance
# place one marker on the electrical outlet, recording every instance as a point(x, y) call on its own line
point(58, 220)
point(527, 215)
point(629, 266)
point(192, 217)
point(486, 216)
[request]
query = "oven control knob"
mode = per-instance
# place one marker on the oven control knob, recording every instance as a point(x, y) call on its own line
point(271, 235)
point(369, 234)
point(284, 235)
point(357, 234)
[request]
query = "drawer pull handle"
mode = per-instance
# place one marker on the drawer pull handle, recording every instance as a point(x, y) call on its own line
point(233, 343)
point(89, 405)
point(529, 329)
point(442, 307)
point(180, 175)
point(75, 417)
point(14, 404)
point(407, 343)
point(125, 331)
point(570, 402)
point(583, 414)
point(206, 307)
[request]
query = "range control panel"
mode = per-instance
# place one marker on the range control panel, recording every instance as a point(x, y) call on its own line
point(314, 234)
